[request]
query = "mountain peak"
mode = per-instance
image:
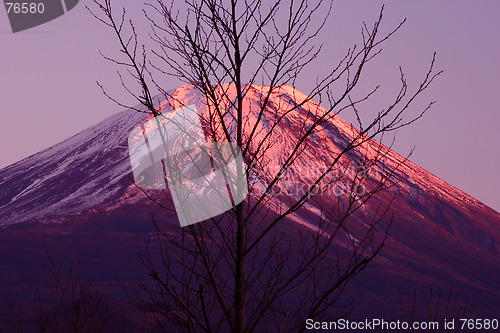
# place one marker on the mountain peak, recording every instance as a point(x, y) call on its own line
point(438, 234)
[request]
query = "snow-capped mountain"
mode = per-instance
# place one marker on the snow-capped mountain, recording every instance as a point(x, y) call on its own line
point(440, 235)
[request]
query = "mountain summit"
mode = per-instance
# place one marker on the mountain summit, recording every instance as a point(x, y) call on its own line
point(441, 237)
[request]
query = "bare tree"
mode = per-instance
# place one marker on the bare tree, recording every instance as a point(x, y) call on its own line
point(70, 304)
point(79, 306)
point(437, 309)
point(243, 270)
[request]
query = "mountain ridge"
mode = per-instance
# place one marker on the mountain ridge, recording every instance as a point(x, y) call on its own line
point(121, 122)
point(440, 235)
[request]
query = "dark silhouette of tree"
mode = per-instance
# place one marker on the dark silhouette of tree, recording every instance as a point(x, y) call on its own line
point(70, 304)
point(242, 271)
point(438, 309)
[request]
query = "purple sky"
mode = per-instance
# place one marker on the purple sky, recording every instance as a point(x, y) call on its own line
point(48, 91)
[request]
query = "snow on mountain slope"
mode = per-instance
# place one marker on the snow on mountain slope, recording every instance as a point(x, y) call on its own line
point(92, 168)
point(440, 236)
point(72, 176)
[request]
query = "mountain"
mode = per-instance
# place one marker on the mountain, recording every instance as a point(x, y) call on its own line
point(78, 197)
